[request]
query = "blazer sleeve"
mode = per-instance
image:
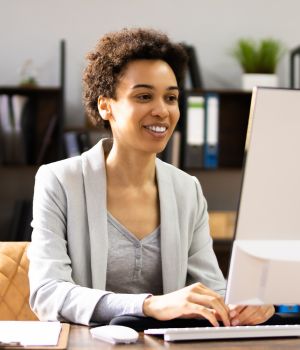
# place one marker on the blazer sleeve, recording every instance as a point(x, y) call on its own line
point(203, 266)
point(53, 294)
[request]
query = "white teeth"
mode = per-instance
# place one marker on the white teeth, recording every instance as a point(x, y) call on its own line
point(157, 128)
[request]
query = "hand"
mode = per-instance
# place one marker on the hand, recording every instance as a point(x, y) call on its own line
point(189, 302)
point(250, 315)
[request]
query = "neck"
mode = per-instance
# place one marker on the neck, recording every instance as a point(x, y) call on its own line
point(132, 167)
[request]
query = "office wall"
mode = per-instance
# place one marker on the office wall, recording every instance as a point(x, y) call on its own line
point(33, 28)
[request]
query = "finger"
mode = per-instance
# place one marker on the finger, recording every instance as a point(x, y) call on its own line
point(214, 303)
point(247, 312)
point(203, 311)
point(214, 312)
point(235, 309)
point(201, 289)
point(255, 316)
point(268, 313)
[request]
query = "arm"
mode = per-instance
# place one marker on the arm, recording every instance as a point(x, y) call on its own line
point(203, 266)
point(203, 275)
point(53, 293)
point(114, 305)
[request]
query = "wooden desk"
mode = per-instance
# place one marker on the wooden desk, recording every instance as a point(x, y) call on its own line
point(80, 338)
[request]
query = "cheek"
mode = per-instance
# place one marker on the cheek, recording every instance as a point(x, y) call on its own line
point(174, 114)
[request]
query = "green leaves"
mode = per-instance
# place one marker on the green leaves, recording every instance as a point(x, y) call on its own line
point(260, 58)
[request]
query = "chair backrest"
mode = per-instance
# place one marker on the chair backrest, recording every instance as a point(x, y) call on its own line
point(14, 282)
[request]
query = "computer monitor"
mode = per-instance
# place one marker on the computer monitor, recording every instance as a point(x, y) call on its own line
point(265, 259)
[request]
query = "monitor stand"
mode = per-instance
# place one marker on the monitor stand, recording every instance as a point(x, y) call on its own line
point(259, 267)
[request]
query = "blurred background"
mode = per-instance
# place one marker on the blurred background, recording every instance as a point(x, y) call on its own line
point(48, 106)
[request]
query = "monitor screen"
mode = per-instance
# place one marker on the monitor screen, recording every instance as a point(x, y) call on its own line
point(266, 248)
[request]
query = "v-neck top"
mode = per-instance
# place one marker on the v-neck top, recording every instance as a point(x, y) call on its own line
point(133, 266)
point(134, 271)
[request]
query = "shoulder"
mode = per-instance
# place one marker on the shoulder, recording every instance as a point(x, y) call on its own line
point(63, 170)
point(185, 186)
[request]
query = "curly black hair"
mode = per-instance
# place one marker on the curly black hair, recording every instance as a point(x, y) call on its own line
point(114, 51)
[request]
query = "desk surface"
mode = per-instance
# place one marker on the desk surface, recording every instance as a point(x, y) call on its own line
point(80, 338)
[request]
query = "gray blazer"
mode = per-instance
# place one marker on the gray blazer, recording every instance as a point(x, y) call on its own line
point(68, 253)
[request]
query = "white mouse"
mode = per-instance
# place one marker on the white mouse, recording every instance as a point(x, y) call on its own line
point(115, 334)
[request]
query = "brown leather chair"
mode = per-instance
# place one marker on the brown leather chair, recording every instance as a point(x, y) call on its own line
point(14, 282)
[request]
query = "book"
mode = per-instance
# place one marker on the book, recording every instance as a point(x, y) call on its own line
point(46, 140)
point(83, 141)
point(7, 130)
point(194, 131)
point(193, 67)
point(172, 150)
point(17, 103)
point(211, 150)
point(71, 144)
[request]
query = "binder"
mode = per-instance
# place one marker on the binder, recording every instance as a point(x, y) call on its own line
point(71, 143)
point(83, 140)
point(194, 108)
point(172, 151)
point(193, 67)
point(18, 102)
point(7, 129)
point(46, 140)
point(211, 153)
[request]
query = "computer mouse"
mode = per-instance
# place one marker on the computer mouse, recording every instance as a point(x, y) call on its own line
point(115, 334)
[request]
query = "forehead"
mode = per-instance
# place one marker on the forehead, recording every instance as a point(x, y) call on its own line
point(152, 72)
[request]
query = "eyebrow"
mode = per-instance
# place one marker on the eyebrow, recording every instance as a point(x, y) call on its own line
point(152, 87)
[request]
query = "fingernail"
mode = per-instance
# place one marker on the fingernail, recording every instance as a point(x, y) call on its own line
point(217, 324)
point(235, 322)
point(232, 313)
point(227, 323)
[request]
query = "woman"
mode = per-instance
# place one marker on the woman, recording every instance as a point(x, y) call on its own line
point(117, 231)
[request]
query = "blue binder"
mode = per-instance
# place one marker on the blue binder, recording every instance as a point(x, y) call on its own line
point(211, 148)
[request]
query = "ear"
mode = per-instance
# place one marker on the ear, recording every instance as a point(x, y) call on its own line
point(104, 108)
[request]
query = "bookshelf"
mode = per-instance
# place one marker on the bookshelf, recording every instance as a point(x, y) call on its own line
point(46, 102)
point(221, 186)
point(234, 108)
point(17, 181)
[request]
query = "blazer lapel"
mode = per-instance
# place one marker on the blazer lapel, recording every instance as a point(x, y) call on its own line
point(94, 177)
point(170, 234)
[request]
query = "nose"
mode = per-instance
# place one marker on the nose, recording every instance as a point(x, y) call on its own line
point(160, 110)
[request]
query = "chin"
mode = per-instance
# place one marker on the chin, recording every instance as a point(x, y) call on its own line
point(156, 149)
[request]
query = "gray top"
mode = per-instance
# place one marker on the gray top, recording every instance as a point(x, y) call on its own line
point(133, 267)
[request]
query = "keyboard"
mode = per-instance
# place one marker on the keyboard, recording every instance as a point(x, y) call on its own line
point(198, 333)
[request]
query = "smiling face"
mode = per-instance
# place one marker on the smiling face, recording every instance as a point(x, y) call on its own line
point(145, 111)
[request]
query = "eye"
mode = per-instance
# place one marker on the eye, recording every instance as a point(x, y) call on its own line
point(172, 98)
point(144, 97)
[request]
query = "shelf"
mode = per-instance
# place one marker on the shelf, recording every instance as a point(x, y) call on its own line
point(221, 91)
point(213, 169)
point(18, 167)
point(222, 242)
point(23, 89)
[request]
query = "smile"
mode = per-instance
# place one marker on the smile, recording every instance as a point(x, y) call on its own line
point(156, 128)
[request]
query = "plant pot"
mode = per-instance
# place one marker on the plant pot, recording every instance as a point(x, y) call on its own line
point(265, 80)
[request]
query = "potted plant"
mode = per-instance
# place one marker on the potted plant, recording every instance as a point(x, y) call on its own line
point(259, 61)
